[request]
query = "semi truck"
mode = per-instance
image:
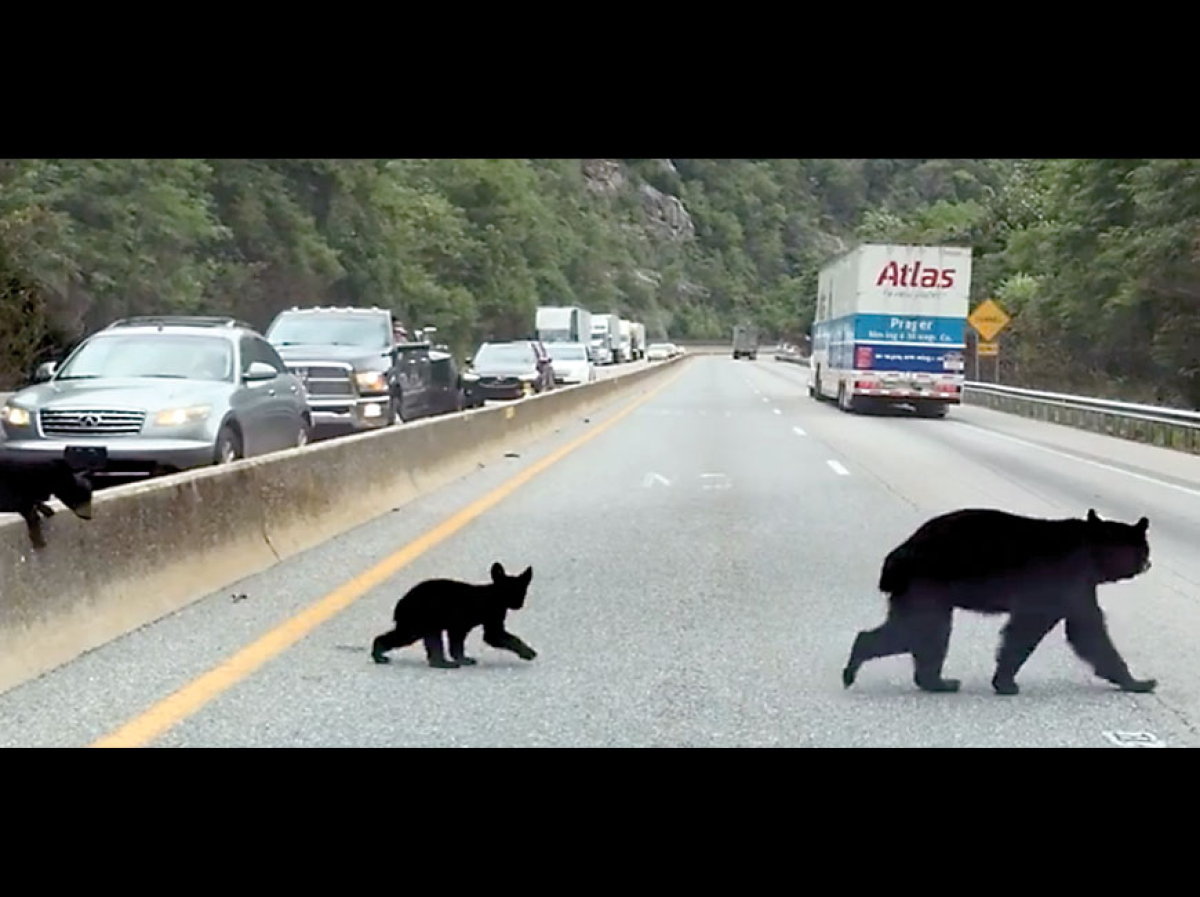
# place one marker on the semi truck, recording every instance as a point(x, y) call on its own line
point(606, 338)
point(890, 328)
point(637, 334)
point(563, 324)
point(625, 344)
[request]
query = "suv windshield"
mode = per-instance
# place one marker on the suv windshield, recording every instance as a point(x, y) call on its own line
point(367, 331)
point(512, 354)
point(566, 353)
point(151, 355)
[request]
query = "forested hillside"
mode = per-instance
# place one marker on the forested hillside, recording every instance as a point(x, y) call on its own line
point(1096, 259)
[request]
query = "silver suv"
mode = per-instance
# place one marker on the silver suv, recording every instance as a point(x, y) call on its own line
point(159, 394)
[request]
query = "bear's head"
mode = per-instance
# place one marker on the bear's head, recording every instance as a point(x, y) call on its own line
point(513, 588)
point(1119, 550)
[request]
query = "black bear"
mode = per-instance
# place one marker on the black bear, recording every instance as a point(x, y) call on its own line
point(1037, 571)
point(26, 484)
point(445, 605)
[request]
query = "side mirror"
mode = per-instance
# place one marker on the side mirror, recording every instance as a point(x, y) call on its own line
point(467, 361)
point(45, 371)
point(259, 371)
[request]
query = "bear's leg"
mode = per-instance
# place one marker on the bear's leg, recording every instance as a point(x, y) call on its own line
point(458, 647)
point(930, 640)
point(890, 638)
point(1020, 637)
point(434, 652)
point(1089, 637)
point(389, 641)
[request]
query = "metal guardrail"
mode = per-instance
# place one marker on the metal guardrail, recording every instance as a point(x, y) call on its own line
point(1173, 428)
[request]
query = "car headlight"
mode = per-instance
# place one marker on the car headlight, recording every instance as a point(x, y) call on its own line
point(371, 381)
point(15, 415)
point(177, 417)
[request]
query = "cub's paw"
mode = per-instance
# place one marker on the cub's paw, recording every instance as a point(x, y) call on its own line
point(1140, 685)
point(444, 664)
point(940, 685)
point(1005, 687)
point(379, 657)
point(466, 661)
point(528, 655)
point(848, 676)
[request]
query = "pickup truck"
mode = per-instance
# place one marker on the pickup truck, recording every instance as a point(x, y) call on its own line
point(360, 372)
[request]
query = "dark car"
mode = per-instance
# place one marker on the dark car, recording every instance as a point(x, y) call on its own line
point(510, 370)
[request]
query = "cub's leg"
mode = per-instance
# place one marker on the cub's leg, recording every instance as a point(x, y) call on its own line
point(889, 639)
point(1089, 638)
point(433, 652)
point(389, 641)
point(44, 509)
point(496, 636)
point(1021, 636)
point(930, 640)
point(458, 647)
point(34, 524)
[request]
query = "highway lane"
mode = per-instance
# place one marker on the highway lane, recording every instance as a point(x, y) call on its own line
point(701, 568)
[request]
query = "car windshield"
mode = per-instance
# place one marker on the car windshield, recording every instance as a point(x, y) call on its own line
point(367, 331)
point(567, 353)
point(512, 354)
point(155, 355)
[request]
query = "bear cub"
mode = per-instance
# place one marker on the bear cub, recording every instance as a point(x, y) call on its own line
point(447, 606)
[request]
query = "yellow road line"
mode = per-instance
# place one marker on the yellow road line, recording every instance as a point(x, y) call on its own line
point(189, 699)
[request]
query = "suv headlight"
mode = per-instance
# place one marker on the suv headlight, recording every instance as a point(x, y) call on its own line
point(177, 417)
point(470, 377)
point(15, 415)
point(371, 381)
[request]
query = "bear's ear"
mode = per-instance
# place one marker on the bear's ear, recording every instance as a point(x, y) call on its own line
point(497, 572)
point(1092, 518)
point(527, 576)
point(1143, 524)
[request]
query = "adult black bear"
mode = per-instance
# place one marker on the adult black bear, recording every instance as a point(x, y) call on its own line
point(26, 484)
point(992, 562)
point(445, 605)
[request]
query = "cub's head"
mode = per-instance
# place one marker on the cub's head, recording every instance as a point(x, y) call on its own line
point(73, 489)
point(512, 588)
point(1119, 550)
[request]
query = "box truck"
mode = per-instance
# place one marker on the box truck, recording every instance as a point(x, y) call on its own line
point(890, 328)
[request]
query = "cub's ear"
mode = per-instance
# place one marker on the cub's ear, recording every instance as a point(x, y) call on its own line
point(497, 572)
point(1143, 524)
point(527, 576)
point(1092, 518)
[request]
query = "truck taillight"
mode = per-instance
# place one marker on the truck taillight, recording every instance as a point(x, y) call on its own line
point(866, 384)
point(946, 387)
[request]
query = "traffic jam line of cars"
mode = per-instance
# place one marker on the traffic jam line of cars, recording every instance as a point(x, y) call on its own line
point(154, 395)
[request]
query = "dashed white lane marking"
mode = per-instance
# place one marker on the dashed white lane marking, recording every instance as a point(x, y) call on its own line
point(777, 411)
point(837, 468)
point(797, 431)
point(765, 399)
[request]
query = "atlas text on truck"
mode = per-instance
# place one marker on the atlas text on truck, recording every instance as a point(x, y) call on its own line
point(890, 328)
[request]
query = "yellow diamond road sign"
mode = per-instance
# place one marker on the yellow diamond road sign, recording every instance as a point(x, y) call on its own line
point(989, 319)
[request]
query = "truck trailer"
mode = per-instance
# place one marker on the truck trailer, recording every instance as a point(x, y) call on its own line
point(890, 328)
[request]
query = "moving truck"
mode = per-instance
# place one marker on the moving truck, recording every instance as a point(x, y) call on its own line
point(890, 328)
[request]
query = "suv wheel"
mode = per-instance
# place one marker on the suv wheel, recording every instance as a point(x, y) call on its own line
point(229, 445)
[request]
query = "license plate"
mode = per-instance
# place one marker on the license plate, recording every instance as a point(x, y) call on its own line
point(86, 457)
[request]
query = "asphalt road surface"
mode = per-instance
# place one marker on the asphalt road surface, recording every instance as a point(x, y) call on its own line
point(701, 566)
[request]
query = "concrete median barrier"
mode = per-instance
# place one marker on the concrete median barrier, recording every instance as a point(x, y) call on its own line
point(153, 548)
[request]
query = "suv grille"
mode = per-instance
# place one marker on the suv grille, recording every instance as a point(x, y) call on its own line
point(92, 423)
